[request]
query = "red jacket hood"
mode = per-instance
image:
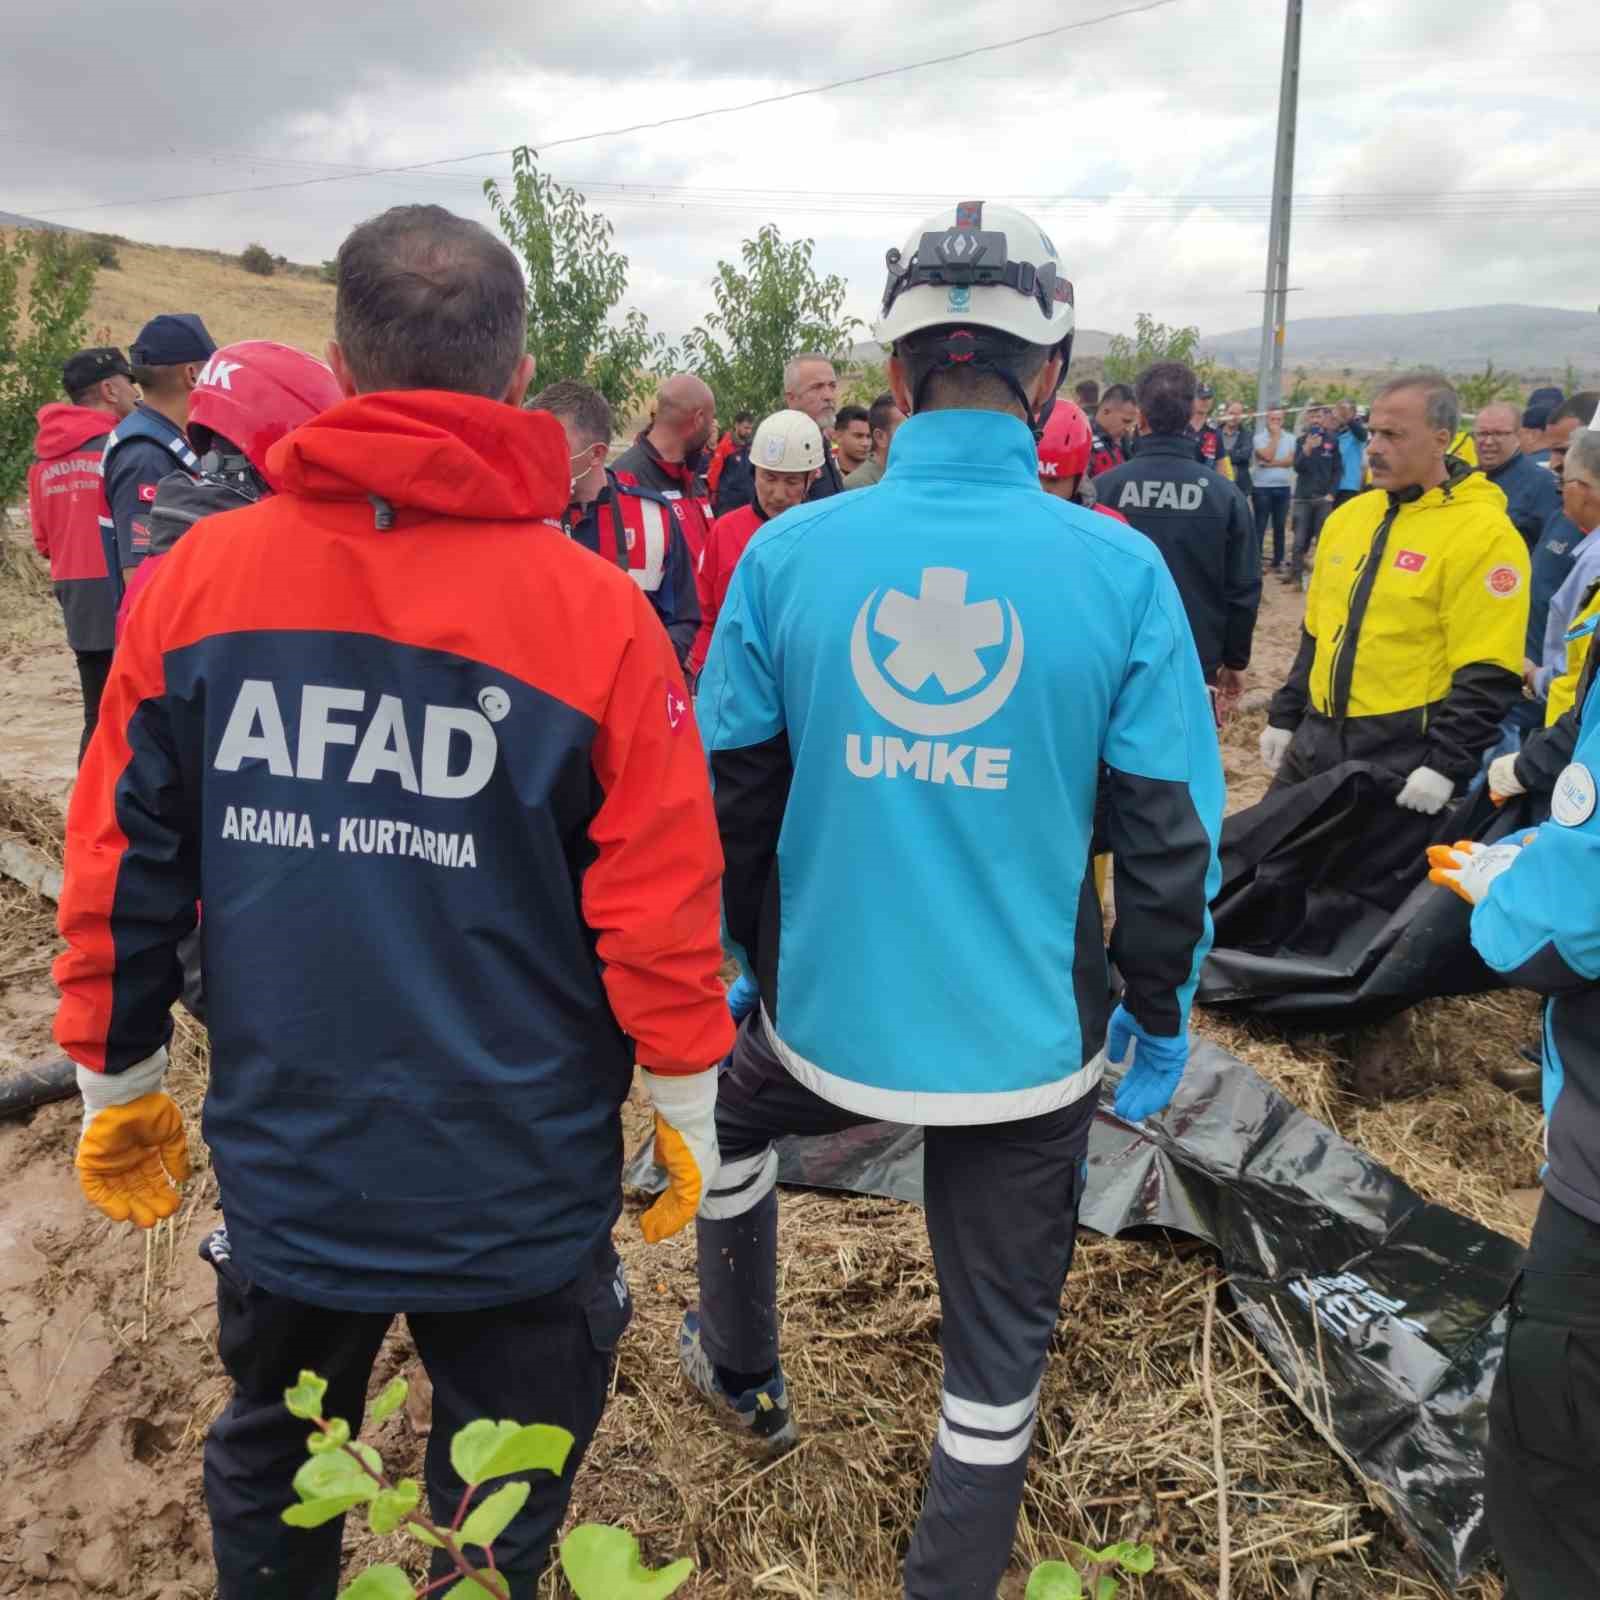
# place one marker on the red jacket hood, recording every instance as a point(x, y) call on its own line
point(456, 455)
point(62, 428)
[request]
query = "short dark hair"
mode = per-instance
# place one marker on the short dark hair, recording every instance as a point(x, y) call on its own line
point(848, 414)
point(429, 300)
point(1088, 392)
point(1440, 404)
point(585, 408)
point(743, 416)
point(1582, 405)
point(882, 412)
point(1165, 395)
point(1119, 394)
point(953, 387)
point(90, 392)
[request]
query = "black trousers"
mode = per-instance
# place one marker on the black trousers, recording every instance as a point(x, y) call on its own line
point(1002, 1208)
point(542, 1360)
point(1272, 505)
point(94, 667)
point(1544, 1416)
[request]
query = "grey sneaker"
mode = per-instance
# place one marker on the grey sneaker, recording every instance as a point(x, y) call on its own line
point(761, 1415)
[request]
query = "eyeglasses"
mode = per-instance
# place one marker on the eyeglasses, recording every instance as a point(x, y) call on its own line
point(1503, 433)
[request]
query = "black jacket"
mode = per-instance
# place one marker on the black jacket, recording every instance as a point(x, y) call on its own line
point(1318, 465)
point(1533, 495)
point(831, 481)
point(736, 484)
point(1202, 526)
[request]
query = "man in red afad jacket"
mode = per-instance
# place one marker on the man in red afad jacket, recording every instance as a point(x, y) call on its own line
point(787, 454)
point(65, 502)
point(431, 768)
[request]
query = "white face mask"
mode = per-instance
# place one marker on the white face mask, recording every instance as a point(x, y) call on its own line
point(572, 461)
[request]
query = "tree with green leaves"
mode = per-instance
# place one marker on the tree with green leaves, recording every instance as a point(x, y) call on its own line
point(1152, 341)
point(771, 307)
point(576, 280)
point(32, 350)
point(1484, 388)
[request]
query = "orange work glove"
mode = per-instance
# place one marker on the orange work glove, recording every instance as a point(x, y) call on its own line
point(686, 1145)
point(131, 1156)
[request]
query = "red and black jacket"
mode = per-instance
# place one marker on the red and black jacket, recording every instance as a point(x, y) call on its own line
point(432, 769)
point(653, 551)
point(674, 481)
point(66, 500)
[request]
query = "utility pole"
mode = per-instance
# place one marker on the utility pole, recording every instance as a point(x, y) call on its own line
point(1275, 309)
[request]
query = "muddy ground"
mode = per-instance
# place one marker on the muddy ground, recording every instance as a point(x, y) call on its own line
point(109, 1377)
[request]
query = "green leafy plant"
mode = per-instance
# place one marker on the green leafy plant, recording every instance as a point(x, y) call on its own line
point(330, 271)
point(341, 1473)
point(258, 259)
point(771, 307)
point(33, 348)
point(1483, 388)
point(576, 280)
point(1152, 341)
point(1094, 1578)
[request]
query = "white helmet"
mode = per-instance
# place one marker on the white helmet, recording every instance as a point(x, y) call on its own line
point(787, 441)
point(980, 268)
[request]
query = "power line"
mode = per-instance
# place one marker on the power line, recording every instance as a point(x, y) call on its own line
point(641, 127)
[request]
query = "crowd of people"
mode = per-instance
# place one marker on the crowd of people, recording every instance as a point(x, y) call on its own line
point(448, 754)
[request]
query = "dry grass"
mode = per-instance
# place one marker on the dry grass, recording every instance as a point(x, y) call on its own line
point(27, 607)
point(234, 304)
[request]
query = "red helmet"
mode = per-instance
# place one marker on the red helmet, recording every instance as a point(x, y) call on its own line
point(256, 391)
point(1064, 445)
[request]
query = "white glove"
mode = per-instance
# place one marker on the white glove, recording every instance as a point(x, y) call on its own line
point(1275, 744)
point(1468, 869)
point(1503, 779)
point(686, 1145)
point(1426, 791)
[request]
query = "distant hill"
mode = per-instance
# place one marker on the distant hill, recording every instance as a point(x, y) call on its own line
point(1531, 340)
point(9, 219)
point(293, 306)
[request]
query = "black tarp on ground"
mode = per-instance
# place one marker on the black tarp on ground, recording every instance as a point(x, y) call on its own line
point(1326, 919)
point(1410, 1296)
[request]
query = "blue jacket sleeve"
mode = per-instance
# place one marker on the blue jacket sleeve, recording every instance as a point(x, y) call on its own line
point(740, 711)
point(136, 470)
point(1537, 923)
point(1164, 801)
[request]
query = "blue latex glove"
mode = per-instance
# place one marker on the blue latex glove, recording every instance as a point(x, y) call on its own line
point(1149, 1083)
point(743, 997)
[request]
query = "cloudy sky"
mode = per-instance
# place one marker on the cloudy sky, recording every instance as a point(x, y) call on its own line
point(1144, 143)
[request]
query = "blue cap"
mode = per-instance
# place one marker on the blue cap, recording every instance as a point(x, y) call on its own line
point(171, 340)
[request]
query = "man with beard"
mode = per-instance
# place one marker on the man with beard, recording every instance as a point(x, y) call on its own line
point(666, 455)
point(811, 385)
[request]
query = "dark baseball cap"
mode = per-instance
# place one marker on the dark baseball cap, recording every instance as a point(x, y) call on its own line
point(93, 366)
point(1537, 416)
point(172, 339)
point(1550, 398)
point(1206, 392)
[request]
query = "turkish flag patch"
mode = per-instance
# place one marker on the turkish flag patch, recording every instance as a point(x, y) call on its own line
point(147, 493)
point(1410, 560)
point(677, 709)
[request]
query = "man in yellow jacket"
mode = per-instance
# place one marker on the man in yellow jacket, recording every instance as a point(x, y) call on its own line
point(1415, 619)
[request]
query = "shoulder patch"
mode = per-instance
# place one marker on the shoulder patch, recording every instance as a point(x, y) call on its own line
point(1503, 582)
point(1573, 801)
